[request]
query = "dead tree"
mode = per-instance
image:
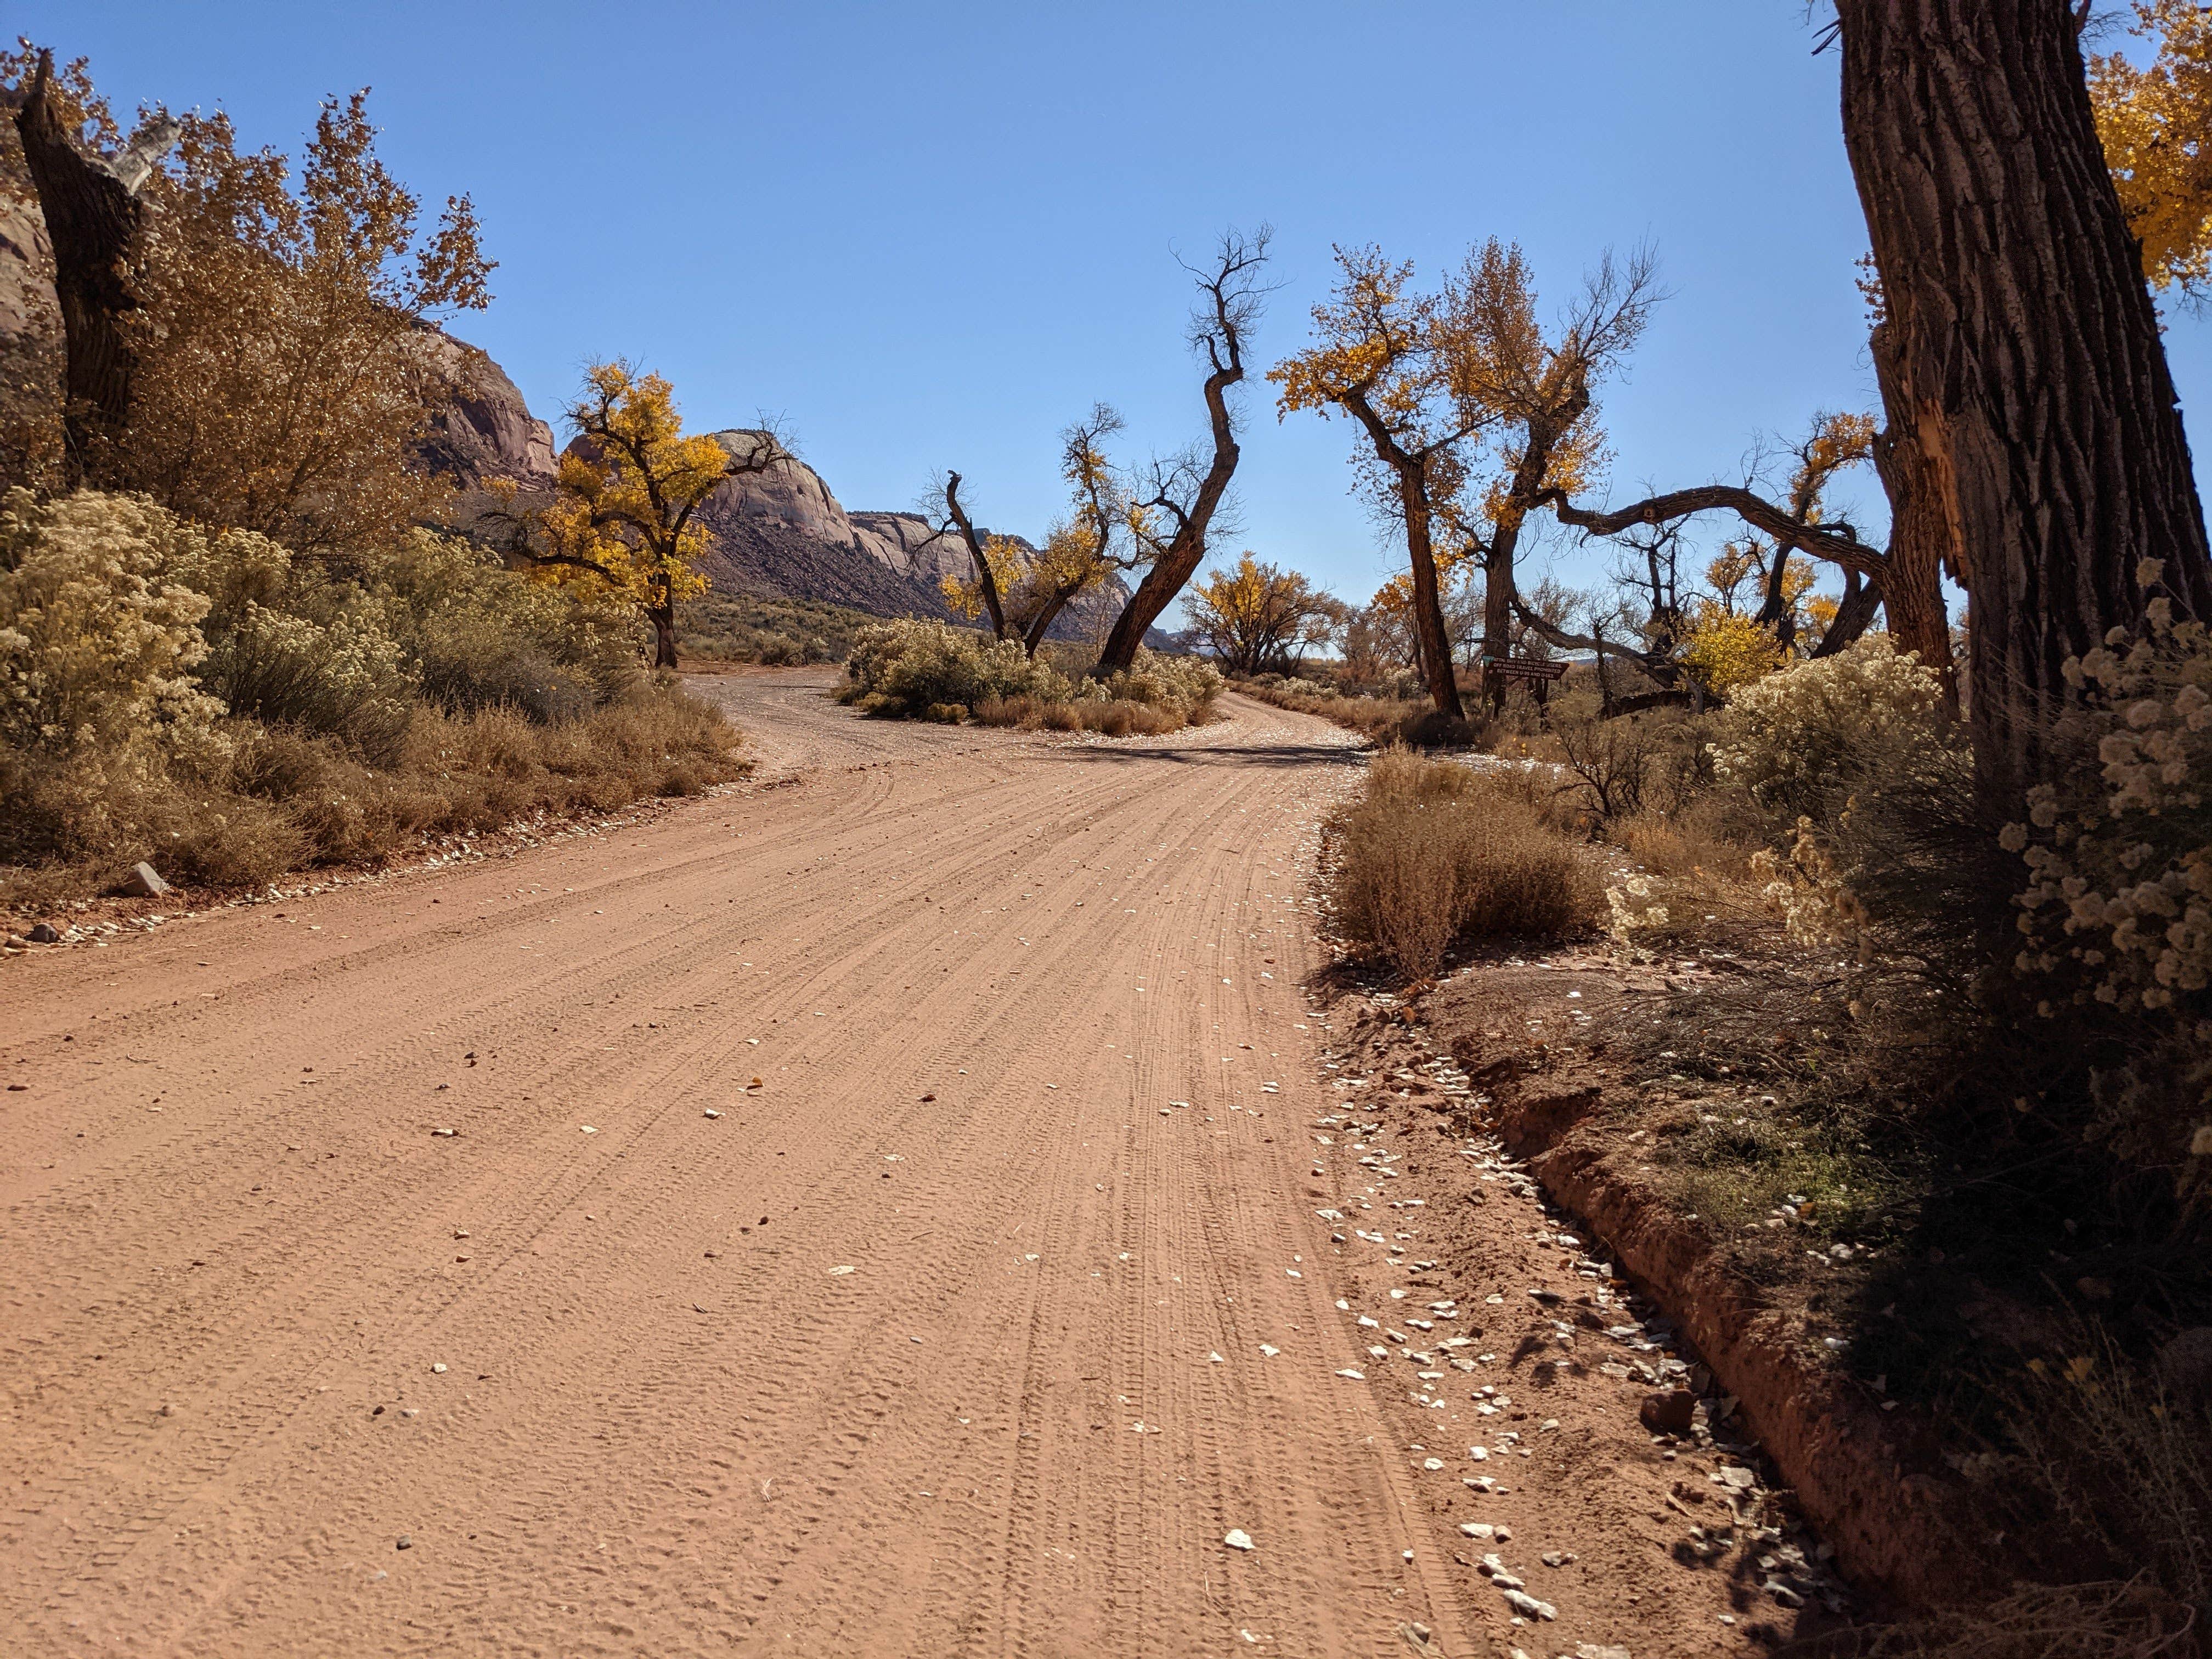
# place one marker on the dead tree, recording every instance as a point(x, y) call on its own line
point(986, 584)
point(95, 218)
point(1230, 298)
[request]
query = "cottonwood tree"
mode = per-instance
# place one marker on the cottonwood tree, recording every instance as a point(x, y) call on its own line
point(248, 352)
point(1377, 358)
point(988, 557)
point(286, 376)
point(2155, 120)
point(1531, 398)
point(2026, 368)
point(1023, 590)
point(1177, 502)
point(1256, 616)
point(623, 518)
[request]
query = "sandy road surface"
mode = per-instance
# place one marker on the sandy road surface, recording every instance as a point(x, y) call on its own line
point(911, 1351)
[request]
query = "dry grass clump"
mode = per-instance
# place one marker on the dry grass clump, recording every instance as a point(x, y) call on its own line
point(2104, 1488)
point(1435, 852)
point(2120, 1620)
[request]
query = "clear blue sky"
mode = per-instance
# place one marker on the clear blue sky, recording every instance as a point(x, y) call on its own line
point(930, 234)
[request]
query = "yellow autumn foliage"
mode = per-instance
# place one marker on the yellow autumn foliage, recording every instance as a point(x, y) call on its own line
point(2156, 124)
point(1726, 651)
point(623, 521)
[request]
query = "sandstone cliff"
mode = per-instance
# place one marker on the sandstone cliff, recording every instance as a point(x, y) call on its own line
point(485, 431)
point(30, 329)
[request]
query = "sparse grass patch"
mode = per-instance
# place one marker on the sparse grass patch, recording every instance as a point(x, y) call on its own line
point(732, 627)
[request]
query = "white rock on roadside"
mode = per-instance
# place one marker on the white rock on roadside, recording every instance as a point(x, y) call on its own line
point(1529, 1607)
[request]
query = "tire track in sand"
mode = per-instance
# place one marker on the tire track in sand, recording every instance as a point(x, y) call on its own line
point(978, 963)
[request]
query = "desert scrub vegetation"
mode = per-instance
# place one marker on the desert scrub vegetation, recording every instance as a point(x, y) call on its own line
point(720, 627)
point(915, 670)
point(1953, 1095)
point(1434, 852)
point(226, 710)
point(1394, 712)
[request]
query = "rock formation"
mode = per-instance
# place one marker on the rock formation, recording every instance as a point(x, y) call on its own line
point(485, 431)
point(30, 329)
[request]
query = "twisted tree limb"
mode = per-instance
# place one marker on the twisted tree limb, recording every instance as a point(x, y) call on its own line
point(95, 217)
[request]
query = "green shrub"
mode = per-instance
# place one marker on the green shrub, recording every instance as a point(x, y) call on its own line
point(910, 664)
point(346, 679)
point(228, 712)
point(97, 650)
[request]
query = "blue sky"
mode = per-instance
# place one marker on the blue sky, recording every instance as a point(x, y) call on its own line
point(929, 235)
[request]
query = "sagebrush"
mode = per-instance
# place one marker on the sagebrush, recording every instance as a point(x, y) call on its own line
point(922, 670)
point(227, 710)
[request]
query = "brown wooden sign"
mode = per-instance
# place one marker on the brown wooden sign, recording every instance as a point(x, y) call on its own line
point(1523, 668)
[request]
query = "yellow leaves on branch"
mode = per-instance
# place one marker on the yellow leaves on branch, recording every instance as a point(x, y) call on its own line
point(1467, 377)
point(1368, 336)
point(1010, 567)
point(622, 518)
point(1727, 651)
point(1255, 616)
point(2156, 124)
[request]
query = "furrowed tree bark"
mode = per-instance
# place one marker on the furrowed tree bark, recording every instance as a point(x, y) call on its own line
point(2037, 393)
point(93, 219)
point(1174, 567)
point(1924, 538)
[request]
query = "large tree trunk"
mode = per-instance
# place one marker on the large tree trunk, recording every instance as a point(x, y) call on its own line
point(93, 220)
point(1428, 602)
point(2038, 392)
point(1497, 591)
point(663, 617)
point(1923, 538)
point(1523, 494)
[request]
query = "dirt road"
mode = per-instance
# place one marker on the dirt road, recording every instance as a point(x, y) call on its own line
point(976, 1327)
